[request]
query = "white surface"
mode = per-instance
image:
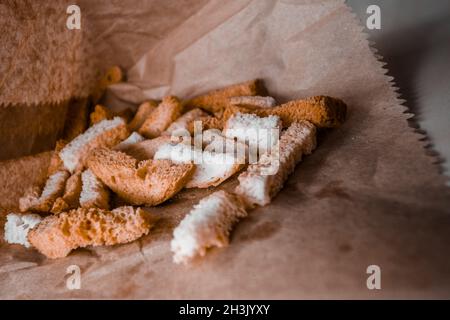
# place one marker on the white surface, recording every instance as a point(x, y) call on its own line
point(415, 42)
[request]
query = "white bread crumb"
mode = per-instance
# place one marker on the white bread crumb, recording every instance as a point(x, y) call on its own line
point(208, 224)
point(17, 227)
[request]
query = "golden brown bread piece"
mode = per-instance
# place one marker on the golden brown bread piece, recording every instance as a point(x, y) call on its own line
point(159, 120)
point(207, 225)
point(57, 235)
point(217, 100)
point(322, 111)
point(71, 196)
point(106, 133)
point(56, 163)
point(148, 182)
point(142, 113)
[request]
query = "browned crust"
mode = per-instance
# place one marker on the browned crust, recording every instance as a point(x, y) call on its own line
point(107, 139)
point(217, 100)
point(57, 235)
point(158, 120)
point(142, 113)
point(148, 182)
point(322, 111)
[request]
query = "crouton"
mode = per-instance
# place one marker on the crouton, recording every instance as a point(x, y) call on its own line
point(17, 227)
point(142, 113)
point(217, 100)
point(57, 235)
point(159, 120)
point(263, 180)
point(322, 111)
point(106, 133)
point(207, 225)
point(148, 182)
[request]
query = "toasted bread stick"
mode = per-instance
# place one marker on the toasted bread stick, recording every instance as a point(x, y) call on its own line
point(263, 180)
point(57, 235)
point(217, 100)
point(148, 182)
point(142, 113)
point(322, 111)
point(207, 225)
point(106, 133)
point(160, 119)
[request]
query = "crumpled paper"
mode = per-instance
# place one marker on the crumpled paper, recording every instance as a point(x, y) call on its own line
point(368, 195)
